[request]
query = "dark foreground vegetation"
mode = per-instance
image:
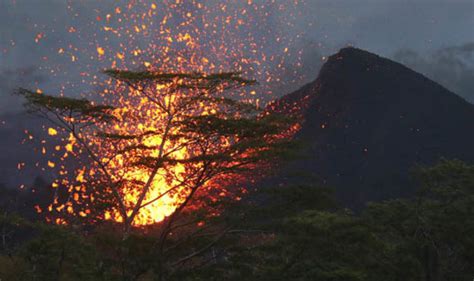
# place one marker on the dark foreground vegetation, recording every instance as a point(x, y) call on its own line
point(284, 233)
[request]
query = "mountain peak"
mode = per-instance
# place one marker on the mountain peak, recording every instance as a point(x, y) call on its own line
point(353, 51)
point(359, 74)
point(369, 120)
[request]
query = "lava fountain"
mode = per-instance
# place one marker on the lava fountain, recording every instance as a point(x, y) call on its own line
point(159, 37)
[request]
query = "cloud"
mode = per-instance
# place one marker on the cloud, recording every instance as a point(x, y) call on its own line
point(452, 67)
point(11, 79)
point(320, 27)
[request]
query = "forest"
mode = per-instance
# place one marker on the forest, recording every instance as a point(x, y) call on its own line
point(284, 233)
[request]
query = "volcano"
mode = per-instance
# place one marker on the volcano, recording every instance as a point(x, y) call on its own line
point(368, 121)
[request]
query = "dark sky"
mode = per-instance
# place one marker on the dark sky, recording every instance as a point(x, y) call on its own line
point(432, 36)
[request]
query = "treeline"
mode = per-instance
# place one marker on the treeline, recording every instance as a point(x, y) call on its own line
point(280, 233)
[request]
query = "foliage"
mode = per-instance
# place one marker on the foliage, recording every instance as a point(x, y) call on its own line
point(177, 128)
point(280, 233)
point(55, 254)
point(175, 136)
point(433, 230)
point(424, 238)
point(36, 102)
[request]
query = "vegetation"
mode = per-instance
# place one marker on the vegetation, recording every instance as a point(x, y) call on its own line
point(428, 237)
point(159, 137)
point(284, 233)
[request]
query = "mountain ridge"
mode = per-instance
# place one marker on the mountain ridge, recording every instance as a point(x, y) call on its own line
point(369, 120)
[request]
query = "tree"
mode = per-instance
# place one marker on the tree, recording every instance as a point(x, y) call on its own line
point(311, 242)
point(433, 230)
point(163, 139)
point(60, 254)
point(301, 237)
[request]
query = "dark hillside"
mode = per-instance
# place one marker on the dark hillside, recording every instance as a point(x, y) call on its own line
point(369, 120)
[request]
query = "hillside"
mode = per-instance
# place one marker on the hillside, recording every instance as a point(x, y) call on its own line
point(369, 120)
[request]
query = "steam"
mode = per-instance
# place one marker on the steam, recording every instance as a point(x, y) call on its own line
point(319, 29)
point(10, 79)
point(452, 67)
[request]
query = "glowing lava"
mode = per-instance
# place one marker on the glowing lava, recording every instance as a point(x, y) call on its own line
point(169, 36)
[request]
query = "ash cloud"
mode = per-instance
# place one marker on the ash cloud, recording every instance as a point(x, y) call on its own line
point(295, 76)
point(380, 26)
point(452, 67)
point(12, 79)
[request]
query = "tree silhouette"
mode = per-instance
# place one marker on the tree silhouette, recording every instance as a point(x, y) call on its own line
point(174, 129)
